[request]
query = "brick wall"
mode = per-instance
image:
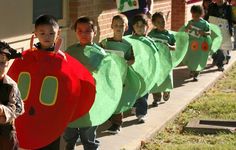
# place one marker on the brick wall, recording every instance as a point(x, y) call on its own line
point(103, 11)
point(181, 13)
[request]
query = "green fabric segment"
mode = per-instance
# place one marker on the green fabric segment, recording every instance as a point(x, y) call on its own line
point(216, 38)
point(132, 83)
point(199, 47)
point(122, 46)
point(166, 86)
point(108, 77)
point(162, 39)
point(145, 65)
point(182, 42)
point(196, 58)
point(24, 85)
point(49, 84)
point(130, 92)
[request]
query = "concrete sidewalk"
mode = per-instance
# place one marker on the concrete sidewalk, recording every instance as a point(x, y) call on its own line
point(185, 91)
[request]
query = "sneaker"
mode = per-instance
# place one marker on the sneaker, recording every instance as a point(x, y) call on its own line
point(114, 129)
point(141, 119)
point(166, 96)
point(195, 79)
point(221, 69)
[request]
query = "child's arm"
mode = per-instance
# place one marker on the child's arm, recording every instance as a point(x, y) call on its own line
point(204, 33)
point(132, 59)
point(13, 109)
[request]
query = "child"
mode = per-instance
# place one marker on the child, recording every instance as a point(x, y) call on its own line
point(160, 34)
point(119, 26)
point(140, 28)
point(47, 31)
point(221, 9)
point(85, 29)
point(198, 28)
point(11, 104)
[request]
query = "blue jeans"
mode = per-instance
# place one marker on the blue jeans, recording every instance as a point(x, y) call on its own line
point(87, 136)
point(141, 106)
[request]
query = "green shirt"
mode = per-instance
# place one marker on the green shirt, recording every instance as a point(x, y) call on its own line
point(123, 46)
point(90, 55)
point(162, 36)
point(200, 25)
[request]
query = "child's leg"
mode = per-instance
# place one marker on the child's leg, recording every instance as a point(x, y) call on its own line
point(88, 138)
point(218, 59)
point(141, 108)
point(116, 121)
point(70, 136)
point(156, 99)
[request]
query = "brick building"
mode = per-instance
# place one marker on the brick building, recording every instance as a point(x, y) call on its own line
point(17, 17)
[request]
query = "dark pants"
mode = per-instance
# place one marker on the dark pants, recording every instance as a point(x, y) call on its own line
point(55, 145)
point(9, 142)
point(219, 58)
point(117, 119)
point(141, 106)
point(87, 136)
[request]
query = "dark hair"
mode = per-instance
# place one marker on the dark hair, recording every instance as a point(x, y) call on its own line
point(157, 15)
point(46, 20)
point(10, 52)
point(196, 9)
point(140, 17)
point(120, 17)
point(87, 20)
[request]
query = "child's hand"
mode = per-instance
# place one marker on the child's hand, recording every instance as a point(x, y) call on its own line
point(130, 62)
point(171, 47)
point(202, 33)
point(188, 28)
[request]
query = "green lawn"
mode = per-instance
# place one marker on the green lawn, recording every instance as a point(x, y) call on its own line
point(219, 102)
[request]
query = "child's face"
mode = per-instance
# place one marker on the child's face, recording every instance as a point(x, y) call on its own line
point(85, 33)
point(119, 27)
point(196, 16)
point(140, 28)
point(3, 64)
point(46, 35)
point(159, 23)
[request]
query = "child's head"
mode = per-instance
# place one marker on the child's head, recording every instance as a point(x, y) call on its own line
point(119, 25)
point(206, 3)
point(158, 20)
point(85, 29)
point(233, 2)
point(196, 11)
point(46, 30)
point(140, 24)
point(4, 58)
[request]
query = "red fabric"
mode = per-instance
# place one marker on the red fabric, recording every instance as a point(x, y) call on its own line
point(76, 93)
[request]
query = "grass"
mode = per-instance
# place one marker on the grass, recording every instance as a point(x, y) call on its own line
point(219, 102)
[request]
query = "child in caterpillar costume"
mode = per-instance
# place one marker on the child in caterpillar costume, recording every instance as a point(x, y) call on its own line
point(109, 79)
point(200, 42)
point(160, 34)
point(117, 43)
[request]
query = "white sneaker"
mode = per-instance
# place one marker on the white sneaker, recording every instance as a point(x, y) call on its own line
point(141, 118)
